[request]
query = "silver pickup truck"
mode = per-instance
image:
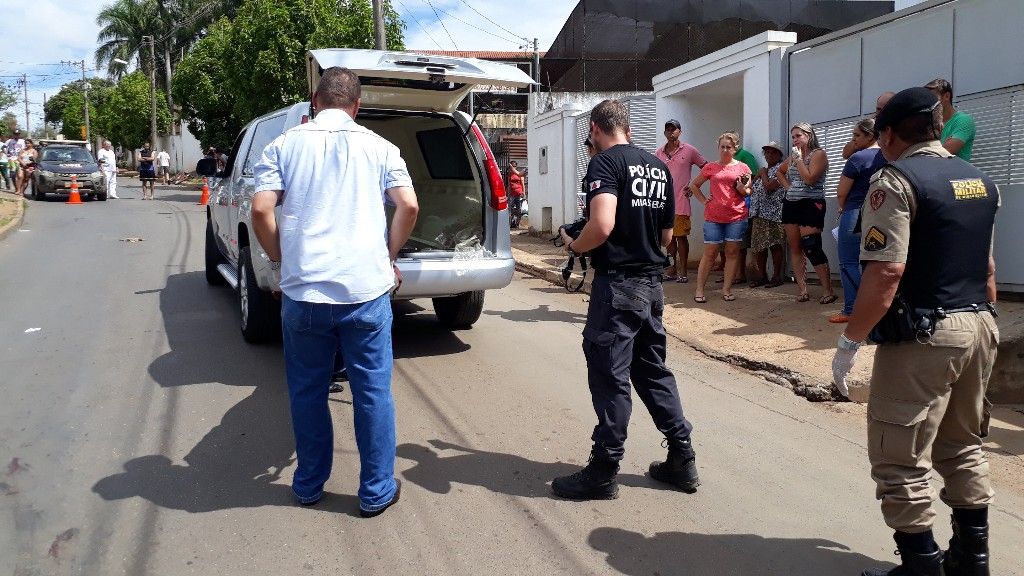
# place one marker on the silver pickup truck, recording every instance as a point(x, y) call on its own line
point(460, 246)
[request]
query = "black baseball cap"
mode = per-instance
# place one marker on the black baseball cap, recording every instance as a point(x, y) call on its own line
point(909, 102)
point(674, 123)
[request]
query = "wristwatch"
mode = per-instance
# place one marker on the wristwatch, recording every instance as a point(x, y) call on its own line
point(275, 264)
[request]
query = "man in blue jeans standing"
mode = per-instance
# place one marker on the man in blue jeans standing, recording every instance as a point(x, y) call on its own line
point(336, 261)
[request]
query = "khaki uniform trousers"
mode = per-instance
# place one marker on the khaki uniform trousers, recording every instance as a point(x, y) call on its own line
point(927, 409)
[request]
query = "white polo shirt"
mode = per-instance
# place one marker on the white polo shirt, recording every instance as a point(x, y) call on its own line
point(333, 228)
point(163, 158)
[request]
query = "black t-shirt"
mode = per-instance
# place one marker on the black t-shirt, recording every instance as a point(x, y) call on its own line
point(145, 164)
point(646, 206)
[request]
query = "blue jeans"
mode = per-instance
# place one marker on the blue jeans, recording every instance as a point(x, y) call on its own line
point(849, 258)
point(314, 335)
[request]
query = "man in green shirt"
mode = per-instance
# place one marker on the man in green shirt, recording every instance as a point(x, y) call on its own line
point(958, 128)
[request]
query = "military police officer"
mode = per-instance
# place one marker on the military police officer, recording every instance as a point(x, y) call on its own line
point(926, 298)
point(631, 209)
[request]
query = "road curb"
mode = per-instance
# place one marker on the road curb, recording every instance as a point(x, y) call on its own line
point(19, 215)
point(800, 384)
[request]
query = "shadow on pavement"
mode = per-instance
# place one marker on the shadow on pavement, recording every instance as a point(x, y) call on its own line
point(240, 462)
point(682, 553)
point(542, 313)
point(509, 474)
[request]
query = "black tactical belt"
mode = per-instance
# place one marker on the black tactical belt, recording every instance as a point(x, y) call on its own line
point(941, 312)
point(627, 274)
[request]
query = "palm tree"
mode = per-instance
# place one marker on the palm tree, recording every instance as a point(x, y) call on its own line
point(123, 28)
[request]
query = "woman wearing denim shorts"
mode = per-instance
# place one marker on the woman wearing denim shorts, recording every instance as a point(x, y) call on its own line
point(725, 213)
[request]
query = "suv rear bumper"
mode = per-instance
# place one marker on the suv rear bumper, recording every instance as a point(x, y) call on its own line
point(433, 278)
point(427, 277)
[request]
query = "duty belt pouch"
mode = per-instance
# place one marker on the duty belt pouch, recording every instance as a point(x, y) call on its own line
point(903, 323)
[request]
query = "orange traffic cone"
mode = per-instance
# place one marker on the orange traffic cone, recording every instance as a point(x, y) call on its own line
point(205, 198)
point(74, 197)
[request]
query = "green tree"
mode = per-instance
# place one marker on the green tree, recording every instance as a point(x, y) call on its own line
point(125, 115)
point(255, 63)
point(8, 122)
point(200, 89)
point(8, 96)
point(73, 115)
point(53, 110)
point(123, 26)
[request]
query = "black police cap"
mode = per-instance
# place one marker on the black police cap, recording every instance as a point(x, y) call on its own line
point(909, 102)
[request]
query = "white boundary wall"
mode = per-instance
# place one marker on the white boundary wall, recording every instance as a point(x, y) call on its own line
point(975, 44)
point(736, 88)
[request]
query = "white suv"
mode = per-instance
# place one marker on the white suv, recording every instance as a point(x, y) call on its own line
point(460, 246)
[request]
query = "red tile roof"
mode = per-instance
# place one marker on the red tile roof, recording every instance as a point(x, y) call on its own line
point(481, 54)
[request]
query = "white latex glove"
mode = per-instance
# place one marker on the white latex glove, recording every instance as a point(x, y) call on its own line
point(797, 153)
point(842, 363)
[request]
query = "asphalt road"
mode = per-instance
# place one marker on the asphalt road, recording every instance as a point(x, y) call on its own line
point(140, 435)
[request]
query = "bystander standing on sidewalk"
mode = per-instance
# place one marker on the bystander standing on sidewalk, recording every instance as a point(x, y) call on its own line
point(725, 213)
point(851, 194)
point(680, 158)
point(338, 304)
point(163, 161)
point(958, 128)
point(803, 174)
point(767, 234)
point(624, 337)
point(5, 168)
point(516, 193)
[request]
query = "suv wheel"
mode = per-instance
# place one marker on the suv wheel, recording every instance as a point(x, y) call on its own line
point(261, 313)
point(459, 311)
point(213, 257)
point(37, 192)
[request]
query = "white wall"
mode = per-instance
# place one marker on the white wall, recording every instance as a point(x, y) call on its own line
point(973, 43)
point(554, 190)
point(185, 149)
point(736, 88)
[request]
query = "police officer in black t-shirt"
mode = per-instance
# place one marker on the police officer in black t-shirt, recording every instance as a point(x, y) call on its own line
point(631, 214)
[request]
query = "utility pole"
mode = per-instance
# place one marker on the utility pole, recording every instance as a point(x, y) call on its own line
point(24, 85)
point(536, 62)
point(152, 85)
point(378, 24)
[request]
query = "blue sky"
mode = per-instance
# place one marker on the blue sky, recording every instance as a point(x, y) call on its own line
point(39, 34)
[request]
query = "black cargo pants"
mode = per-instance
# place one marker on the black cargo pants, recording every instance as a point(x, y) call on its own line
point(623, 341)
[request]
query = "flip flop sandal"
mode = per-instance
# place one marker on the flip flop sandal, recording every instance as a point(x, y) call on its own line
point(682, 279)
point(828, 299)
point(757, 283)
point(728, 297)
point(667, 278)
point(773, 284)
point(700, 299)
point(803, 297)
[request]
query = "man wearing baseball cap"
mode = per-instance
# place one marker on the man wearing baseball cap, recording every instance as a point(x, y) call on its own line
point(680, 158)
point(926, 298)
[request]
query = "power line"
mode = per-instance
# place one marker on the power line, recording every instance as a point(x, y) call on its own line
point(420, 24)
point(517, 41)
point(436, 15)
point(471, 7)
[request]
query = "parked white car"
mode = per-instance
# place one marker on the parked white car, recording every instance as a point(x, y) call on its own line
point(460, 246)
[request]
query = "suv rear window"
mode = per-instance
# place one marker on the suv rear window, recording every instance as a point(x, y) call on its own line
point(445, 154)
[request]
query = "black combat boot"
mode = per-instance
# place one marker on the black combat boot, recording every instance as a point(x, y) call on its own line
point(595, 482)
point(680, 468)
point(968, 548)
point(913, 562)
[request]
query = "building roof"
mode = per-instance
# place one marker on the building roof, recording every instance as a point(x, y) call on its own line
point(481, 54)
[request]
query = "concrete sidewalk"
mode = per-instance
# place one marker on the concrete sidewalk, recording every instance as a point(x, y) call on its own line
point(767, 331)
point(12, 212)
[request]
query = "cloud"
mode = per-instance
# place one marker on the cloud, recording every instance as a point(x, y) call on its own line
point(541, 19)
point(46, 33)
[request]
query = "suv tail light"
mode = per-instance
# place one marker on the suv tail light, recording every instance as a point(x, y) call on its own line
point(499, 201)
